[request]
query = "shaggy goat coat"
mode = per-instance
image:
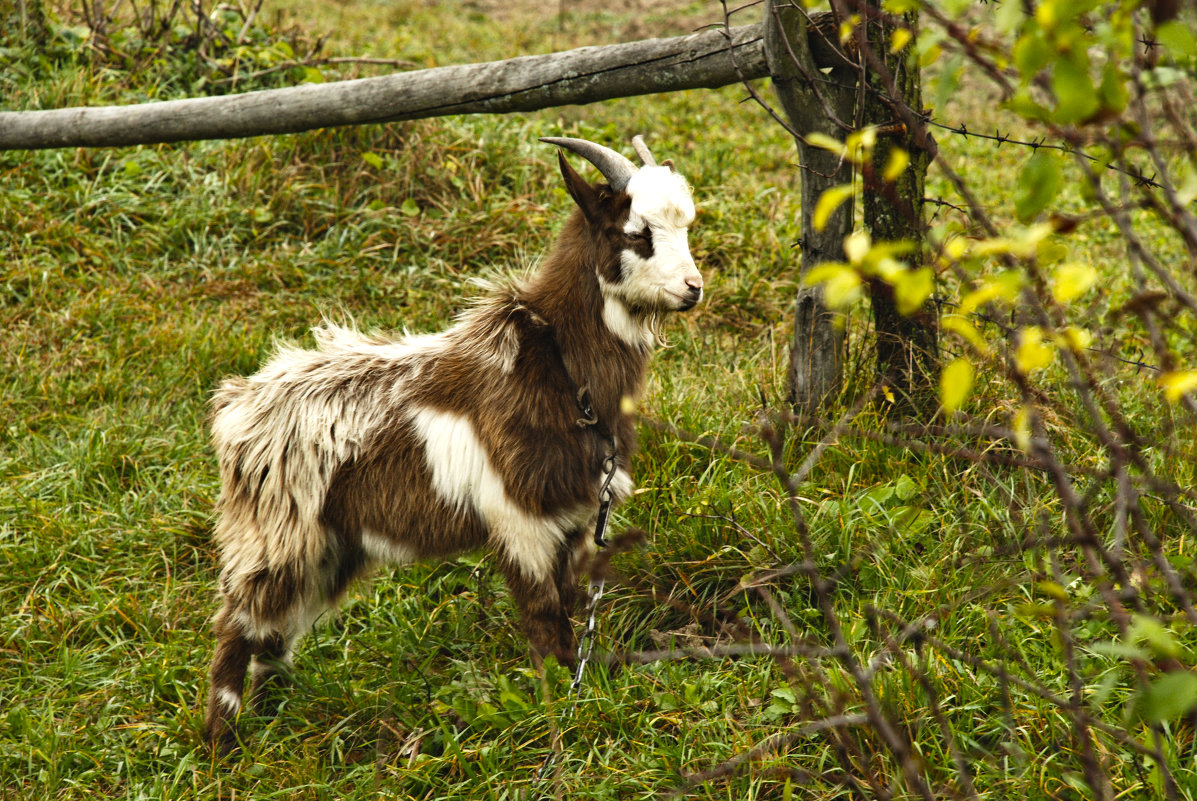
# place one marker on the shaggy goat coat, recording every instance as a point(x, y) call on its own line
point(371, 449)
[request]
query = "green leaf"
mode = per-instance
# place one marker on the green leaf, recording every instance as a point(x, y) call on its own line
point(1119, 650)
point(1076, 98)
point(410, 208)
point(955, 383)
point(905, 487)
point(1178, 38)
point(1113, 91)
point(1158, 637)
point(373, 159)
point(1039, 182)
point(947, 85)
point(1169, 697)
point(785, 694)
point(1031, 54)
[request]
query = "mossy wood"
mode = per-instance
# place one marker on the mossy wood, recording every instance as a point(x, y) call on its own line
point(708, 59)
point(817, 351)
point(907, 345)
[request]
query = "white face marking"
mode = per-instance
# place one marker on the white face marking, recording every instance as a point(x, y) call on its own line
point(668, 280)
point(464, 478)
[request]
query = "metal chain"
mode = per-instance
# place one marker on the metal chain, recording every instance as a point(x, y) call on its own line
point(586, 642)
point(585, 650)
point(596, 586)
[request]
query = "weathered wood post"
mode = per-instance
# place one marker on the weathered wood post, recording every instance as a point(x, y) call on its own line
point(907, 346)
point(813, 101)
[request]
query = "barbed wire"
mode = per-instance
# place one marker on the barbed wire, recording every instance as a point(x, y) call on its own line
point(1041, 143)
point(1010, 331)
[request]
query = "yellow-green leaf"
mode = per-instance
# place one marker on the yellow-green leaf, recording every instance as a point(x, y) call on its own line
point(1033, 352)
point(841, 283)
point(1072, 280)
point(1021, 426)
point(896, 164)
point(1177, 383)
point(955, 248)
point(912, 289)
point(955, 382)
point(900, 38)
point(857, 246)
point(860, 144)
point(1003, 286)
point(1073, 338)
point(829, 201)
point(373, 159)
point(1052, 589)
point(825, 142)
point(847, 27)
point(958, 324)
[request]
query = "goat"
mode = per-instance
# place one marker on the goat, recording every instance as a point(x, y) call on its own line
point(498, 432)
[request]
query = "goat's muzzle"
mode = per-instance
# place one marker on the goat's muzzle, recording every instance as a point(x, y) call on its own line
point(691, 298)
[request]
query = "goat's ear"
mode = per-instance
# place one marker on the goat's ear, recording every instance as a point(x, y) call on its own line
point(582, 192)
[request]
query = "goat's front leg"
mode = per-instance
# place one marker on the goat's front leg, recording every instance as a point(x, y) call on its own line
point(545, 599)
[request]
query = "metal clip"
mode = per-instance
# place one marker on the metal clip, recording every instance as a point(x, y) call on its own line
point(605, 498)
point(588, 418)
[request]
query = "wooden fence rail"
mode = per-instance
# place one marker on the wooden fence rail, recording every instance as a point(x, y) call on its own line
point(712, 58)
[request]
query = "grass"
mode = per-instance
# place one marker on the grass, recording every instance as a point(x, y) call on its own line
point(135, 279)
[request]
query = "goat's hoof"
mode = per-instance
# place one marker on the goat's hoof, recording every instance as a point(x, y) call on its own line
point(222, 742)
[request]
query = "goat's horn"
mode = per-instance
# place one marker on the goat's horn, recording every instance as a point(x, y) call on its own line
point(646, 158)
point(617, 169)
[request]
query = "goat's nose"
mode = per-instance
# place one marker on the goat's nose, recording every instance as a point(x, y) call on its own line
point(694, 281)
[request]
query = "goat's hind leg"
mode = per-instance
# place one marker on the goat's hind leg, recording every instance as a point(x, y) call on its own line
point(234, 649)
point(271, 672)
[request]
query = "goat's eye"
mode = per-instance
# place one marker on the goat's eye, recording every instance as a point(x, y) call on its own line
point(643, 236)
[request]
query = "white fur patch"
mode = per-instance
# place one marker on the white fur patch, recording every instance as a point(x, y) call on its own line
point(619, 321)
point(258, 667)
point(622, 485)
point(381, 549)
point(229, 699)
point(464, 477)
point(661, 195)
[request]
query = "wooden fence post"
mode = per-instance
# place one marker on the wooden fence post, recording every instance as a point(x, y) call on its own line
point(813, 101)
point(907, 346)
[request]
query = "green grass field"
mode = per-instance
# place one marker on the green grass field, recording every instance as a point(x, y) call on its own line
point(133, 280)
